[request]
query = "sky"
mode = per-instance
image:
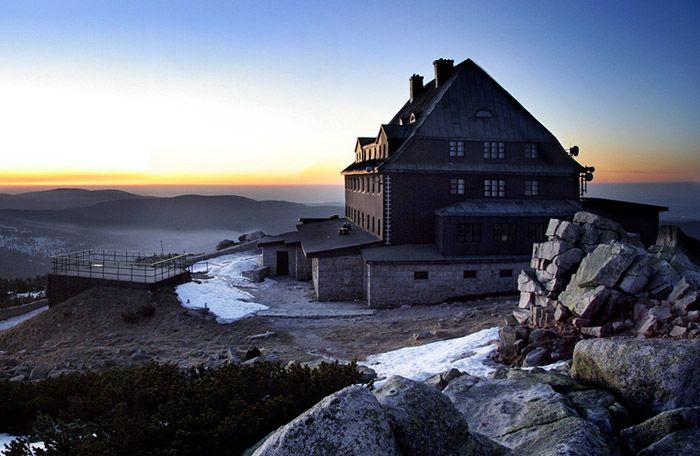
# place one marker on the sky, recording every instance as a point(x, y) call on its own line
point(120, 93)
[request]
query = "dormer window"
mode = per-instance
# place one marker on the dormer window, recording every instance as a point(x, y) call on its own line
point(483, 114)
point(412, 118)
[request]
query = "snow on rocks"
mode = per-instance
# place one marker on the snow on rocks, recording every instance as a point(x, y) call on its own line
point(224, 293)
point(469, 354)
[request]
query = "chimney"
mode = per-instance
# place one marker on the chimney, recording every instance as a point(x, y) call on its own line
point(415, 86)
point(443, 71)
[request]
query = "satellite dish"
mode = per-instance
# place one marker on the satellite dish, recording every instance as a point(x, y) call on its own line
point(574, 151)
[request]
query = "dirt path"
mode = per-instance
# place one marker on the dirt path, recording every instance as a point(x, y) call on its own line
point(109, 327)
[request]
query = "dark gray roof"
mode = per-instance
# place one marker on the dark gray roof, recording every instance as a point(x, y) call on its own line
point(478, 168)
point(363, 140)
point(498, 207)
point(426, 253)
point(284, 238)
point(321, 237)
point(396, 131)
point(361, 167)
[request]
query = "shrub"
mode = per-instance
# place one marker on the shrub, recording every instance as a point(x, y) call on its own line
point(161, 410)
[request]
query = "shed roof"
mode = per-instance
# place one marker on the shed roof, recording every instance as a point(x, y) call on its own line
point(426, 253)
point(497, 207)
point(321, 237)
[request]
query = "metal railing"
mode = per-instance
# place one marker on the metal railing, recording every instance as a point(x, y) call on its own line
point(120, 265)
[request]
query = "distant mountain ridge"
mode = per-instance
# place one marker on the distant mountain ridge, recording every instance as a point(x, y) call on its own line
point(62, 198)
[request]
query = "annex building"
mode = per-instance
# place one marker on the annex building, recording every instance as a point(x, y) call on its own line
point(445, 201)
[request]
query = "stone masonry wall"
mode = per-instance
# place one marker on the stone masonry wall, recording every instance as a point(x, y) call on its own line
point(338, 278)
point(303, 265)
point(391, 285)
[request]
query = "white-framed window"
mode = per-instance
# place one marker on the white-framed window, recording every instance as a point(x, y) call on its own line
point(494, 188)
point(530, 150)
point(531, 188)
point(456, 186)
point(494, 150)
point(456, 148)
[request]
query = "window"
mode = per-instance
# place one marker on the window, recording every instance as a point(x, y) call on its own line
point(494, 150)
point(469, 232)
point(420, 275)
point(470, 274)
point(494, 188)
point(535, 232)
point(505, 273)
point(456, 186)
point(530, 150)
point(531, 188)
point(504, 232)
point(456, 148)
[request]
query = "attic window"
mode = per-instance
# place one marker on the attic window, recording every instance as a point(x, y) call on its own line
point(412, 119)
point(483, 114)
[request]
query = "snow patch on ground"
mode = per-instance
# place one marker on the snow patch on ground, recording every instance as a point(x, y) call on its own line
point(224, 293)
point(5, 439)
point(469, 354)
point(14, 321)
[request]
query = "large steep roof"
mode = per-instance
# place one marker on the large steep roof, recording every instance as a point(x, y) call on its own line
point(450, 111)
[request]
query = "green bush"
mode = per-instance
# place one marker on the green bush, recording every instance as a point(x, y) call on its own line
point(161, 410)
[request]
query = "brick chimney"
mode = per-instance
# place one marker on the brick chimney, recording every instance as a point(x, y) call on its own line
point(443, 71)
point(415, 86)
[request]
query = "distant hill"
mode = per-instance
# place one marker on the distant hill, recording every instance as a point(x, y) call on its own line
point(62, 198)
point(187, 212)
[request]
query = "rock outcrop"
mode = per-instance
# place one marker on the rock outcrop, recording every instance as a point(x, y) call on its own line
point(349, 422)
point(593, 279)
point(651, 375)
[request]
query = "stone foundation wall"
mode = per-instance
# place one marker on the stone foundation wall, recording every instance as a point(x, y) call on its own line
point(338, 278)
point(269, 258)
point(391, 285)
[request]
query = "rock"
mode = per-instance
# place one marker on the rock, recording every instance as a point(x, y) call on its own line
point(651, 375)
point(440, 381)
point(597, 221)
point(565, 263)
point(349, 422)
point(594, 331)
point(506, 341)
point(681, 442)
point(522, 316)
point(605, 265)
point(584, 302)
point(679, 289)
point(645, 434)
point(527, 299)
point(560, 382)
point(691, 301)
point(528, 283)
point(226, 243)
point(593, 405)
point(367, 374)
point(678, 332)
point(570, 436)
point(550, 249)
point(253, 352)
point(252, 236)
point(423, 420)
point(639, 311)
point(537, 357)
point(636, 277)
point(567, 231)
point(540, 337)
point(662, 313)
point(561, 313)
point(501, 407)
point(662, 279)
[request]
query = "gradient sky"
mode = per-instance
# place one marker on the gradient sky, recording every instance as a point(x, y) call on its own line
point(275, 92)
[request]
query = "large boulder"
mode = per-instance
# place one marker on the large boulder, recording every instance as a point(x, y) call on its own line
point(498, 408)
point(425, 422)
point(349, 422)
point(605, 265)
point(666, 433)
point(651, 375)
point(570, 436)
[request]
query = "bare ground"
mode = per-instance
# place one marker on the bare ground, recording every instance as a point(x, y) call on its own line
point(91, 331)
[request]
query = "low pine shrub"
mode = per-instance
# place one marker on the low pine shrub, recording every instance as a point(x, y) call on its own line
point(160, 410)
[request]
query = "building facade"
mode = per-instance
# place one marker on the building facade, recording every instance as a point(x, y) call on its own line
point(450, 195)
